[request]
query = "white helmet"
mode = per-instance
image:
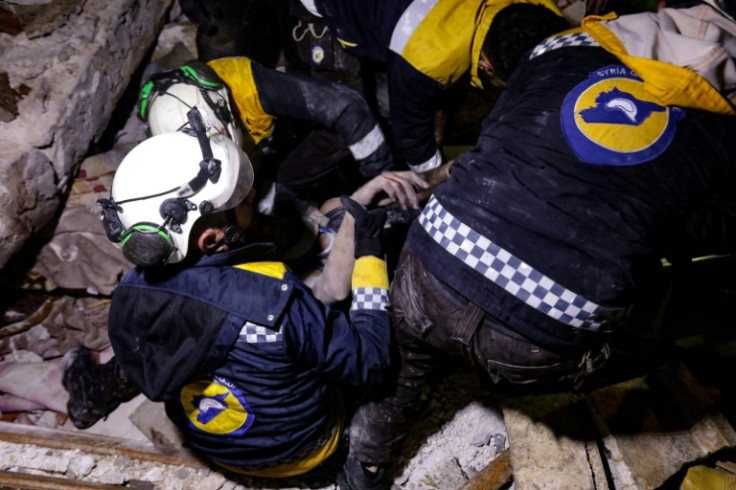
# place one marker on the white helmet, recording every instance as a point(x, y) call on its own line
point(168, 96)
point(164, 185)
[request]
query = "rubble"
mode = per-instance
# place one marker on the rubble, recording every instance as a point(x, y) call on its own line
point(73, 76)
point(59, 93)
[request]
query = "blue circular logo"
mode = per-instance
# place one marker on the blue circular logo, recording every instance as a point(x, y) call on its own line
point(609, 119)
point(318, 55)
point(216, 406)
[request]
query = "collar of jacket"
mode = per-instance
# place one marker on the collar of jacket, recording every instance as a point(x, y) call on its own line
point(669, 84)
point(489, 11)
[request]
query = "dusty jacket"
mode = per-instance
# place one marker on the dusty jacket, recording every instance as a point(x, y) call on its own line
point(580, 184)
point(246, 359)
point(428, 45)
point(262, 95)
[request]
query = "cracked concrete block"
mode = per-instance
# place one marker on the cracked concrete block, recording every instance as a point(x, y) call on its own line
point(40, 18)
point(72, 79)
point(547, 437)
point(653, 426)
point(442, 470)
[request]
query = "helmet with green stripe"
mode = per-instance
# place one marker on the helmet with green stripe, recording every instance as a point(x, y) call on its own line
point(165, 99)
point(165, 184)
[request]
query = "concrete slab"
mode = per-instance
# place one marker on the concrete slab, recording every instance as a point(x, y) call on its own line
point(552, 442)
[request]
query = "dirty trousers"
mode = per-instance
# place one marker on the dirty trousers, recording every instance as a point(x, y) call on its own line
point(432, 325)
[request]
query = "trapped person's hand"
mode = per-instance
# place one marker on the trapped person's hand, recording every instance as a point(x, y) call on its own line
point(391, 188)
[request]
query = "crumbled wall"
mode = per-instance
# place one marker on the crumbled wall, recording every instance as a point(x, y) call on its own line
point(65, 84)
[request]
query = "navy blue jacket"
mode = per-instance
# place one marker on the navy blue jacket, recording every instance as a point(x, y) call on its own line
point(365, 29)
point(577, 189)
point(247, 362)
point(262, 95)
point(427, 46)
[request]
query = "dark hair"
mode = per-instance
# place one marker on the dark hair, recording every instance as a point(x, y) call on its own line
point(517, 29)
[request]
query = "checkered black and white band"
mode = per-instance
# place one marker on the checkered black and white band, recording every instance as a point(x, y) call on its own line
point(369, 299)
point(258, 334)
point(563, 41)
point(511, 273)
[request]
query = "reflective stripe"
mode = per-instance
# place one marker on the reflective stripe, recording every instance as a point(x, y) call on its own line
point(259, 334)
point(408, 22)
point(369, 299)
point(511, 273)
point(434, 162)
point(563, 41)
point(370, 143)
point(309, 5)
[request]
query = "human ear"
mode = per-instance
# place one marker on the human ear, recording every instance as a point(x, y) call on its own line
point(209, 238)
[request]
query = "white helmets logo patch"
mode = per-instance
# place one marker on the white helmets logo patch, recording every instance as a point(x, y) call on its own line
point(216, 406)
point(609, 119)
point(318, 55)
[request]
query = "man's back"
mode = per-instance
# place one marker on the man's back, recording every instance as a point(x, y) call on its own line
point(579, 177)
point(246, 359)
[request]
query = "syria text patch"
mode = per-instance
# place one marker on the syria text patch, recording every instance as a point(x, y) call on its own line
point(216, 406)
point(609, 119)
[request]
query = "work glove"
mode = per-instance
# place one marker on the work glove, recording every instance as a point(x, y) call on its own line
point(368, 227)
point(200, 12)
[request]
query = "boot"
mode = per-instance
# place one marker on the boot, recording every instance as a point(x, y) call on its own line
point(94, 390)
point(354, 476)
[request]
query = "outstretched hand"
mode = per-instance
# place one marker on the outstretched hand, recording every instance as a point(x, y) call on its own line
point(390, 188)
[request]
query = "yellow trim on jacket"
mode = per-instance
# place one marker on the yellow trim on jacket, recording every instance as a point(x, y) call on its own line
point(668, 84)
point(447, 42)
point(270, 269)
point(300, 467)
point(237, 73)
point(370, 272)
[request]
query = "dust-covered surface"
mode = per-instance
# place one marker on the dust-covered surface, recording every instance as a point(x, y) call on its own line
point(457, 434)
point(64, 302)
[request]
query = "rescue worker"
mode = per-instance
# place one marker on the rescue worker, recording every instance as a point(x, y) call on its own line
point(95, 390)
point(606, 152)
point(243, 100)
point(211, 322)
point(428, 47)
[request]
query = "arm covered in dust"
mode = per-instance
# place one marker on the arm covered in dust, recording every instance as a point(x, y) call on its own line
point(330, 105)
point(387, 189)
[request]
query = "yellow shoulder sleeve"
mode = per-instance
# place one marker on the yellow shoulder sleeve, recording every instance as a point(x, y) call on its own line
point(237, 73)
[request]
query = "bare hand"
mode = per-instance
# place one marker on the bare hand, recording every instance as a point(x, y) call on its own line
point(391, 188)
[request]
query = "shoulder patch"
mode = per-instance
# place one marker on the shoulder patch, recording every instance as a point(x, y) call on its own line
point(609, 120)
point(318, 54)
point(216, 406)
